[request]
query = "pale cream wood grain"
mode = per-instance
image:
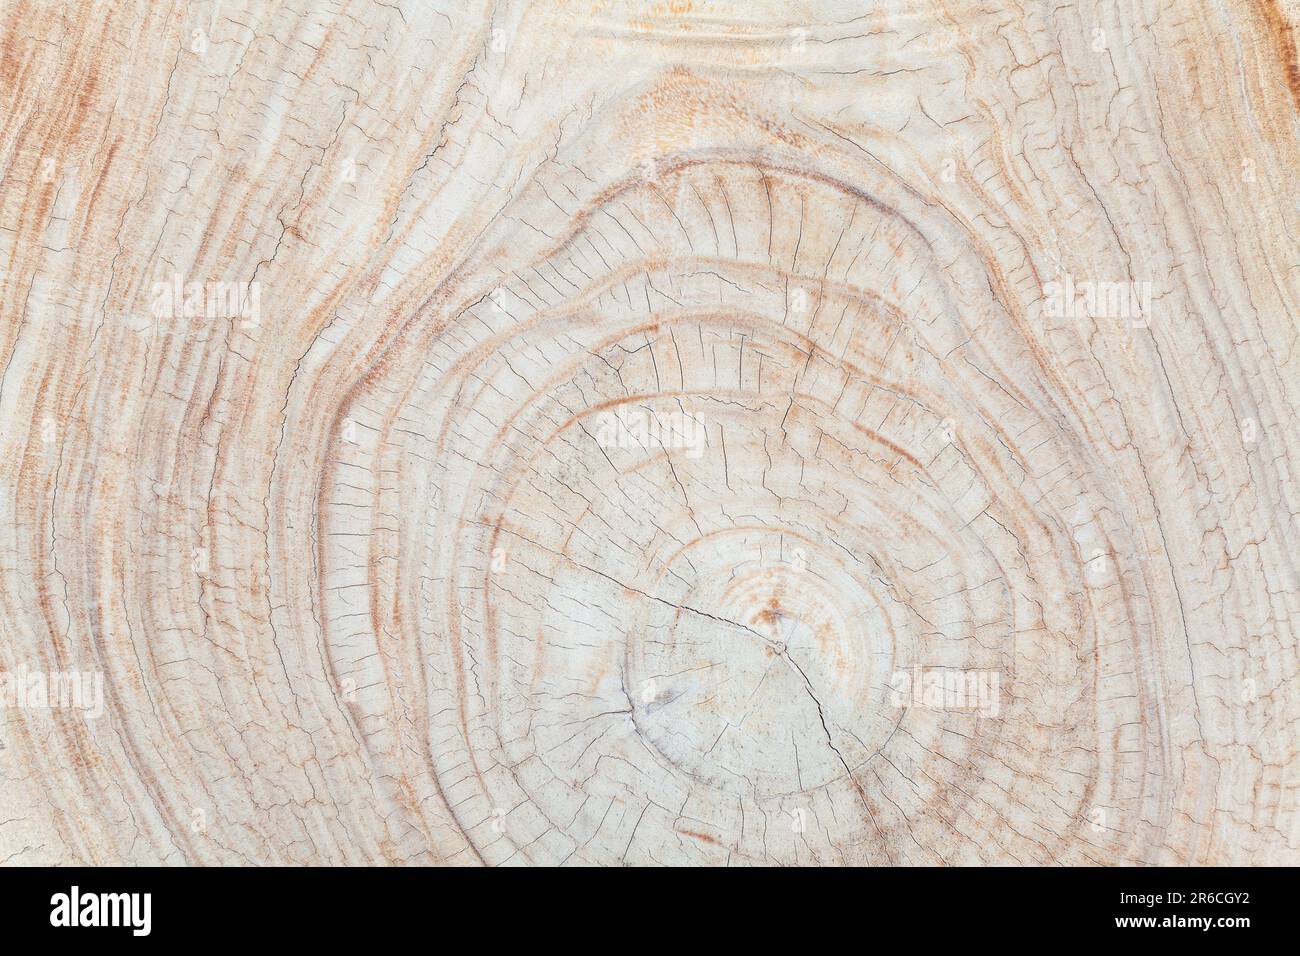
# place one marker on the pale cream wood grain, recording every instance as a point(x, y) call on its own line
point(605, 420)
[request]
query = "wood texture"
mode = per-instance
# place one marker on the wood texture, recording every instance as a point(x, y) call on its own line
point(649, 433)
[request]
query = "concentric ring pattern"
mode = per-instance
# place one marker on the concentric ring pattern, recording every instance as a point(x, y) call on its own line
point(659, 437)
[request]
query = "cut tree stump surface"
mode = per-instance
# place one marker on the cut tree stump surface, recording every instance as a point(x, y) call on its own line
point(649, 433)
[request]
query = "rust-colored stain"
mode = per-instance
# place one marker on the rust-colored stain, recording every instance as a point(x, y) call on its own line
point(1281, 27)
